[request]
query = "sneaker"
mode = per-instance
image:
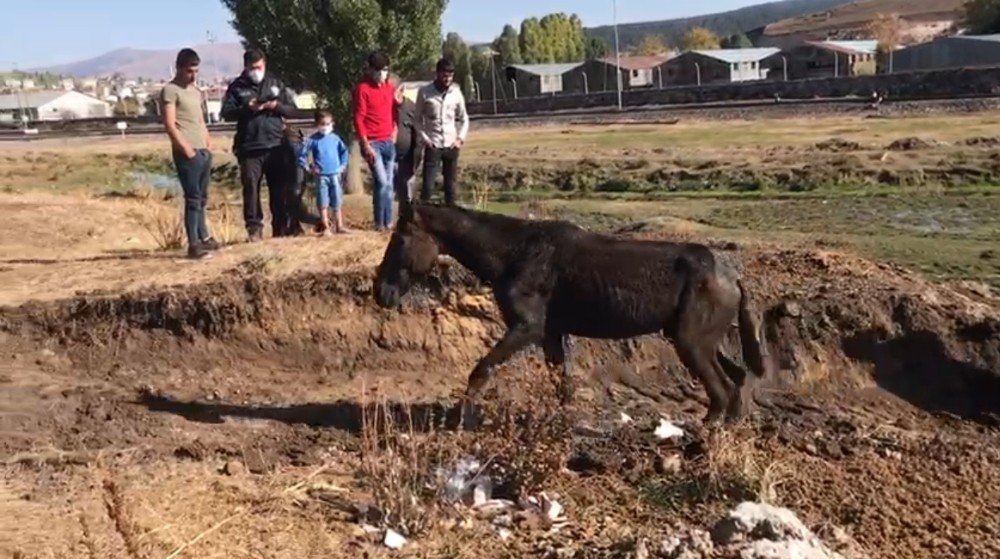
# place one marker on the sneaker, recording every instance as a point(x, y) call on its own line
point(198, 252)
point(211, 245)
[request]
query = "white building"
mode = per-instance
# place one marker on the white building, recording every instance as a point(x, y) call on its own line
point(51, 105)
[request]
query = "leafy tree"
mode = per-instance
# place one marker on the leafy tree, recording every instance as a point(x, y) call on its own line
point(509, 46)
point(651, 45)
point(322, 44)
point(456, 50)
point(737, 41)
point(983, 16)
point(532, 42)
point(597, 48)
point(699, 38)
point(887, 29)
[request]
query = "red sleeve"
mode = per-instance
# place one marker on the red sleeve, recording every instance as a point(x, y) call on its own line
point(360, 108)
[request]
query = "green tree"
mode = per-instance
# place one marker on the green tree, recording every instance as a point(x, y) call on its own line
point(508, 45)
point(983, 16)
point(532, 42)
point(699, 38)
point(651, 45)
point(322, 44)
point(456, 50)
point(596, 48)
point(737, 41)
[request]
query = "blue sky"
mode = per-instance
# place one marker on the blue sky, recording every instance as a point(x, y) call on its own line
point(45, 32)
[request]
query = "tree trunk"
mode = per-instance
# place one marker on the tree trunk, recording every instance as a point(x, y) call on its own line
point(355, 180)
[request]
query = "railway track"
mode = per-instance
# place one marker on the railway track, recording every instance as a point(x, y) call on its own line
point(649, 114)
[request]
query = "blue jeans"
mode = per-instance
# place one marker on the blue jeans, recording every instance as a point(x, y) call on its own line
point(383, 169)
point(194, 175)
point(329, 192)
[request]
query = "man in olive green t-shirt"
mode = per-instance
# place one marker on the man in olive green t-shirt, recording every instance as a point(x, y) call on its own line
point(184, 118)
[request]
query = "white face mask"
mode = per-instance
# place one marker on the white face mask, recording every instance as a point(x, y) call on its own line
point(326, 130)
point(382, 76)
point(256, 76)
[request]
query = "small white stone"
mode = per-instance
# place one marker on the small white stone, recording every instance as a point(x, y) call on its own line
point(668, 430)
point(394, 540)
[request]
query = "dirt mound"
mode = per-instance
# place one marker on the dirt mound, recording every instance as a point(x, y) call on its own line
point(838, 145)
point(913, 143)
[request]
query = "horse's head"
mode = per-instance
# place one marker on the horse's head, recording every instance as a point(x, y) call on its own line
point(411, 253)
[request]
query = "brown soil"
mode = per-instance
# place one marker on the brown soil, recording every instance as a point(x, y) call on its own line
point(137, 420)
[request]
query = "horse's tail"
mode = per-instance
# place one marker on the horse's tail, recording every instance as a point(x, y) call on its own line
point(754, 349)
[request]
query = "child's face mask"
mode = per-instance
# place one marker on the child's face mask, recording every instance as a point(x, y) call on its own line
point(326, 129)
point(256, 76)
point(381, 76)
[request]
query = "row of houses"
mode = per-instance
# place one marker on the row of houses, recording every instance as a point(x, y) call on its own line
point(809, 59)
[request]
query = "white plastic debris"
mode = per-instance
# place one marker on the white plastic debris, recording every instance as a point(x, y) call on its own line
point(504, 534)
point(626, 419)
point(464, 483)
point(668, 430)
point(552, 508)
point(393, 540)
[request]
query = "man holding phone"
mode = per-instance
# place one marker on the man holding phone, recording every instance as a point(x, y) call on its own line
point(259, 103)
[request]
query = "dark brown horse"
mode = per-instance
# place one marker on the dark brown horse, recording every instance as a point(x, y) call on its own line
point(552, 279)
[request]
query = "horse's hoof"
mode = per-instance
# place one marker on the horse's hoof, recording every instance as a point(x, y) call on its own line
point(566, 393)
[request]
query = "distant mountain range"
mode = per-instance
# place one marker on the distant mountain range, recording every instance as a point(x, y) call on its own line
point(224, 59)
point(723, 23)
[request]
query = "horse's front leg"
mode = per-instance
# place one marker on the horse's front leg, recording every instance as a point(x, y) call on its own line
point(516, 339)
point(557, 354)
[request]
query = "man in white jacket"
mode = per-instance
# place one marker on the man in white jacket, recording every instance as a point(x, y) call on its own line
point(442, 123)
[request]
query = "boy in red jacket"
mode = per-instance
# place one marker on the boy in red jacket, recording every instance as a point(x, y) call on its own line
point(375, 123)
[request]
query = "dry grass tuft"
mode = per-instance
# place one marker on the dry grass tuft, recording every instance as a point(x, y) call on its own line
point(481, 191)
point(163, 222)
point(731, 468)
point(225, 224)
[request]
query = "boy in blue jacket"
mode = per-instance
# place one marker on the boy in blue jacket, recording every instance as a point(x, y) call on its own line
point(329, 161)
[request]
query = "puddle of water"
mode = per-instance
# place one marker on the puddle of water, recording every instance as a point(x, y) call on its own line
point(155, 180)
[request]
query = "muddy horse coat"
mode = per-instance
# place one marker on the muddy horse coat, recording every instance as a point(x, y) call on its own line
point(552, 280)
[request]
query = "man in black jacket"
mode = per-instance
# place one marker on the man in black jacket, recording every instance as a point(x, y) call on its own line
point(407, 154)
point(259, 102)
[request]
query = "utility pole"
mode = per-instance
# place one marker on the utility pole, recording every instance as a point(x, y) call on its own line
point(618, 53)
point(493, 75)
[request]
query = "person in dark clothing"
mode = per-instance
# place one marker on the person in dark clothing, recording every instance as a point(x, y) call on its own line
point(292, 179)
point(259, 103)
point(407, 154)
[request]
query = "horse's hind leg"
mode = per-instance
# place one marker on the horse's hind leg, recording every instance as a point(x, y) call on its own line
point(556, 348)
point(700, 361)
point(738, 375)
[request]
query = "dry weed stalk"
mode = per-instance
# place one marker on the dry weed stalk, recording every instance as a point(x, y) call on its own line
point(399, 465)
point(224, 225)
point(481, 194)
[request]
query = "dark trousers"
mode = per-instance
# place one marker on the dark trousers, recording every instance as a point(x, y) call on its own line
point(194, 175)
point(254, 167)
point(446, 158)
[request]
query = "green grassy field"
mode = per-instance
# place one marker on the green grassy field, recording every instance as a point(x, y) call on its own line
point(932, 207)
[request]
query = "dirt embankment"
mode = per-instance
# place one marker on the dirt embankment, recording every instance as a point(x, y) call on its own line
point(275, 373)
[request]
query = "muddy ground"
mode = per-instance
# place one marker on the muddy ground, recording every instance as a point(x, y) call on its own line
point(220, 414)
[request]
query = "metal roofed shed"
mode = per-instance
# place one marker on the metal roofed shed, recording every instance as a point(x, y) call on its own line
point(961, 51)
point(545, 79)
point(51, 105)
point(825, 59)
point(700, 67)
